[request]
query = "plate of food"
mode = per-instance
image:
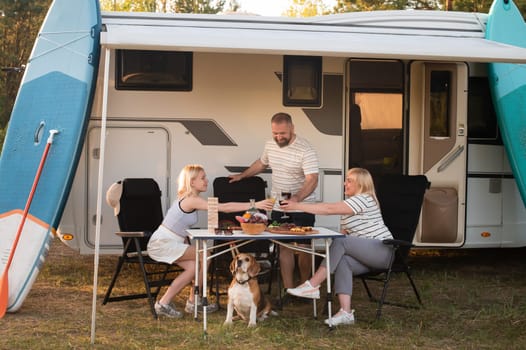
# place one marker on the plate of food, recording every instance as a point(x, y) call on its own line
point(291, 229)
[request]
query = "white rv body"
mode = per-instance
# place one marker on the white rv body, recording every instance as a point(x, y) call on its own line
point(237, 85)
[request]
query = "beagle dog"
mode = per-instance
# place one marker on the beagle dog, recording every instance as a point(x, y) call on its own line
point(244, 293)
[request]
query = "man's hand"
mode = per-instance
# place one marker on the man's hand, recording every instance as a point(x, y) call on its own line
point(254, 169)
point(310, 184)
point(234, 178)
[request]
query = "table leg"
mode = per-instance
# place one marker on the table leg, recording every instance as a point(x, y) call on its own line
point(196, 278)
point(205, 288)
point(313, 268)
point(329, 289)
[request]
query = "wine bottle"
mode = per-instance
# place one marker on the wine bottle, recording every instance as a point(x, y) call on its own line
point(252, 210)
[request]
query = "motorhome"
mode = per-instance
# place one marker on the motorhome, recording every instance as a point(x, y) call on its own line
point(396, 92)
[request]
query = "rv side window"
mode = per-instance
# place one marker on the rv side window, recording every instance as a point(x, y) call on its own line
point(302, 81)
point(439, 103)
point(482, 120)
point(154, 70)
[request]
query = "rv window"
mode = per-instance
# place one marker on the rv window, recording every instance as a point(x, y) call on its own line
point(482, 120)
point(302, 81)
point(377, 75)
point(439, 103)
point(376, 135)
point(154, 70)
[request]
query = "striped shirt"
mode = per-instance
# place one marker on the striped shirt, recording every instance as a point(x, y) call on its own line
point(290, 164)
point(367, 221)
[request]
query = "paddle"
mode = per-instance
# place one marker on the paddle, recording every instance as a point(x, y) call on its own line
point(4, 282)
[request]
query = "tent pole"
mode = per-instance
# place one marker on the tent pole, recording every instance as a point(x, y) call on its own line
point(99, 191)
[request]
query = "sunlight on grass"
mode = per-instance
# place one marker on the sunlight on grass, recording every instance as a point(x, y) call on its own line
point(471, 301)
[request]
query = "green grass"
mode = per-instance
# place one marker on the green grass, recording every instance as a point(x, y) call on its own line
point(473, 300)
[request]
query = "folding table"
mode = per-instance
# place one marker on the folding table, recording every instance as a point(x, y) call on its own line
point(239, 238)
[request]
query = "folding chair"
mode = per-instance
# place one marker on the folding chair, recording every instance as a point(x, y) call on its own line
point(139, 216)
point(263, 250)
point(400, 198)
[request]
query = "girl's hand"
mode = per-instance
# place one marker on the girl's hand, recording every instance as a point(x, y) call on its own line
point(265, 204)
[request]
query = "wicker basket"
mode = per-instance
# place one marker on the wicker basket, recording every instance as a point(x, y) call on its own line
point(253, 228)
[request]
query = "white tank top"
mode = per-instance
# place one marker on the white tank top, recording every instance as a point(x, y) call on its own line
point(177, 220)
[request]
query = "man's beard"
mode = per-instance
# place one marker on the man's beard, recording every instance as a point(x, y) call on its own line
point(283, 143)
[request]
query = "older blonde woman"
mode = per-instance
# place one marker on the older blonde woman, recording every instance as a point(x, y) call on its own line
point(359, 251)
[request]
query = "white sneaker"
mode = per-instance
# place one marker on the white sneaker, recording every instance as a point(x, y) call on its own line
point(341, 318)
point(306, 290)
point(167, 310)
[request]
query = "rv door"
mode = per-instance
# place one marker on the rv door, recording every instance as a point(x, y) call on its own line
point(131, 152)
point(438, 147)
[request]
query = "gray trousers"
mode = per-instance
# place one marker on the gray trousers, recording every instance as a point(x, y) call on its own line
point(351, 256)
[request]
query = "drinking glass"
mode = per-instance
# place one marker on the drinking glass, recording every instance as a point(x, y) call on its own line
point(284, 196)
point(271, 196)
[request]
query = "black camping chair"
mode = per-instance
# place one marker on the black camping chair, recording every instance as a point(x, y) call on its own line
point(265, 252)
point(400, 198)
point(139, 216)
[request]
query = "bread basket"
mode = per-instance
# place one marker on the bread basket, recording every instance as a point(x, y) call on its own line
point(253, 228)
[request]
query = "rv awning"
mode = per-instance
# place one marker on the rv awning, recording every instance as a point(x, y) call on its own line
point(317, 39)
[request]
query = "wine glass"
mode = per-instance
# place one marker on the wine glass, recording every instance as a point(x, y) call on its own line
point(272, 197)
point(285, 195)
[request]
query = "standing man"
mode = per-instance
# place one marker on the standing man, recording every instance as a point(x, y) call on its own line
point(294, 165)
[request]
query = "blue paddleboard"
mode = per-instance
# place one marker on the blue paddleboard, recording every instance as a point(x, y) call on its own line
point(508, 86)
point(55, 93)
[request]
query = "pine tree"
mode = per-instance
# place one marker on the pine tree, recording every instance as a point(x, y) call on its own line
point(19, 27)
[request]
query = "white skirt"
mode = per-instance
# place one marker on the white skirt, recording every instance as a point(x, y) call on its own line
point(165, 246)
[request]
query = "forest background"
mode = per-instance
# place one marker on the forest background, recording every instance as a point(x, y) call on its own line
point(20, 21)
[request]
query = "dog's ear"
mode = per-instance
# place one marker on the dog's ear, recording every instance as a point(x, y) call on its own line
point(233, 264)
point(254, 268)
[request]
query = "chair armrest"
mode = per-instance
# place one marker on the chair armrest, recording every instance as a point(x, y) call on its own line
point(132, 234)
point(397, 243)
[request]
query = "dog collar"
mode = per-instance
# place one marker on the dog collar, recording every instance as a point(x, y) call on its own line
point(245, 281)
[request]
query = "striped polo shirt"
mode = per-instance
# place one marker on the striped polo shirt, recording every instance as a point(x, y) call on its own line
point(290, 164)
point(367, 221)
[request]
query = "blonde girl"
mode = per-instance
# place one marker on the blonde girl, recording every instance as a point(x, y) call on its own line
point(170, 243)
